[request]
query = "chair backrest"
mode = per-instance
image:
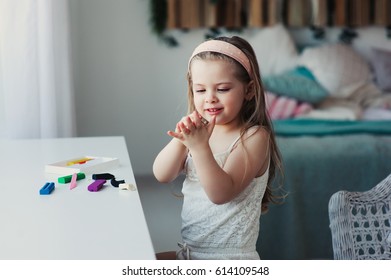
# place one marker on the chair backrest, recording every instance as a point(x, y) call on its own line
point(360, 223)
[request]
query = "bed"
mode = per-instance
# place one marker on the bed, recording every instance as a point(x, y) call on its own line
point(325, 158)
point(331, 110)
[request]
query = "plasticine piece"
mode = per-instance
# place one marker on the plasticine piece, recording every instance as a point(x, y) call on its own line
point(68, 178)
point(47, 188)
point(73, 182)
point(116, 183)
point(96, 185)
point(104, 176)
point(129, 187)
point(79, 161)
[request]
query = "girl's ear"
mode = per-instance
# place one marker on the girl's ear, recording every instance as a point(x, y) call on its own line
point(249, 91)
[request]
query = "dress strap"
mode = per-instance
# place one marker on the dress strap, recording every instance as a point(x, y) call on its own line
point(232, 146)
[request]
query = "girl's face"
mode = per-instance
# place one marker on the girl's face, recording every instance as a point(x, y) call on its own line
point(217, 91)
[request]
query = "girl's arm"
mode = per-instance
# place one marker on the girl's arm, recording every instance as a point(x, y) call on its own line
point(243, 165)
point(170, 161)
point(247, 161)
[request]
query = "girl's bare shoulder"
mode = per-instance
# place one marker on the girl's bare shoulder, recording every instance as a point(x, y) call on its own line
point(256, 134)
point(254, 138)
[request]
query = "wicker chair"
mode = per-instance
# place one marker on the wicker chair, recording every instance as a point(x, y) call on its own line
point(360, 223)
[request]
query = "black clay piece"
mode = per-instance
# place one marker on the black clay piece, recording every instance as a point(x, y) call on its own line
point(103, 176)
point(116, 183)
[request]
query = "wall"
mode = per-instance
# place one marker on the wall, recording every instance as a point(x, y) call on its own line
point(126, 81)
point(2, 109)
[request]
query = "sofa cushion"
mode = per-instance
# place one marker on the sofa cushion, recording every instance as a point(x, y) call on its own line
point(295, 85)
point(335, 66)
point(275, 49)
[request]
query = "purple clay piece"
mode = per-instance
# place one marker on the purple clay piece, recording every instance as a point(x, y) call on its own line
point(96, 185)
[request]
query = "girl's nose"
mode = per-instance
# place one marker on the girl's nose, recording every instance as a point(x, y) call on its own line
point(210, 97)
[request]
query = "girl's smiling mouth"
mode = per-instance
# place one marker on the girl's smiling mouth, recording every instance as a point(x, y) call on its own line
point(214, 111)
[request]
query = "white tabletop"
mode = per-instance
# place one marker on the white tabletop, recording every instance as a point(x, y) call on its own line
point(68, 224)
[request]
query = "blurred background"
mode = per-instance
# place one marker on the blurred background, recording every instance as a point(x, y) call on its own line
point(113, 75)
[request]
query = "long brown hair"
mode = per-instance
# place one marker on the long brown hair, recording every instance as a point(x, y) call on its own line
point(253, 111)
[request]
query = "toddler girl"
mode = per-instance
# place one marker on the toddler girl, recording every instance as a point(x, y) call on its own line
point(227, 149)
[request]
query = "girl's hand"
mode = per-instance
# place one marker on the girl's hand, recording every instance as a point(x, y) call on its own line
point(193, 131)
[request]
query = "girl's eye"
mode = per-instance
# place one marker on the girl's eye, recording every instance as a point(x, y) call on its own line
point(199, 90)
point(223, 89)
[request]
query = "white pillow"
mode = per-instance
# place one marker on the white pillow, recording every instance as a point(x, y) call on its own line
point(275, 49)
point(335, 66)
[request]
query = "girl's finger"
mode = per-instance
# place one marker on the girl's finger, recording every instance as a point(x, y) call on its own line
point(211, 124)
point(192, 116)
point(188, 123)
point(201, 119)
point(204, 121)
point(175, 135)
point(184, 128)
point(178, 128)
point(196, 119)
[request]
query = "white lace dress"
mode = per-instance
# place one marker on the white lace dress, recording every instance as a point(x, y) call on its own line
point(227, 231)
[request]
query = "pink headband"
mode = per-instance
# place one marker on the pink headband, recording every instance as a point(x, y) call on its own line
point(223, 48)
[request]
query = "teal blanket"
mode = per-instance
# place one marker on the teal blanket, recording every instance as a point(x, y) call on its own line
point(296, 127)
point(315, 167)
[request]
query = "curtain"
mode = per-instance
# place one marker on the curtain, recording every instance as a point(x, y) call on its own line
point(36, 91)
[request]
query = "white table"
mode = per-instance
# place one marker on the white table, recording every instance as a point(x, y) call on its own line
point(68, 224)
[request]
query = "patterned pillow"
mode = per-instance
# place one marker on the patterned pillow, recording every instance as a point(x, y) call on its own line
point(282, 107)
point(335, 66)
point(295, 85)
point(381, 62)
